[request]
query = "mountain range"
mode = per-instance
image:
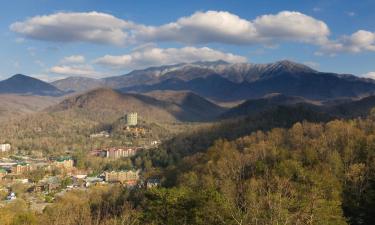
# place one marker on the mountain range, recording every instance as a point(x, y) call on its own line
point(195, 92)
point(218, 80)
point(222, 81)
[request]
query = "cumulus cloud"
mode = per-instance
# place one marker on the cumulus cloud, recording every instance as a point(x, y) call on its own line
point(152, 56)
point(74, 59)
point(140, 57)
point(71, 27)
point(288, 25)
point(359, 41)
point(200, 27)
point(224, 27)
point(75, 70)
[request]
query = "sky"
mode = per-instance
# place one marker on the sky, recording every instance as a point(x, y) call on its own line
point(54, 39)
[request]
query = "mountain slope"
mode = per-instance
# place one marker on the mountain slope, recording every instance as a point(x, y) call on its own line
point(21, 84)
point(18, 105)
point(230, 82)
point(191, 103)
point(315, 86)
point(107, 104)
point(222, 81)
point(356, 108)
point(77, 84)
point(263, 104)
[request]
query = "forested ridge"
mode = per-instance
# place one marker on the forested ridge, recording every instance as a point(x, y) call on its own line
point(310, 173)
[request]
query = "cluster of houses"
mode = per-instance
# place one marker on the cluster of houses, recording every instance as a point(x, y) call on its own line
point(16, 168)
point(61, 175)
point(16, 172)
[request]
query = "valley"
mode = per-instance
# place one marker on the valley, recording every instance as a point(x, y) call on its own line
point(77, 138)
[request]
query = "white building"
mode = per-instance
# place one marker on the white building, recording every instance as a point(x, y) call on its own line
point(5, 147)
point(132, 119)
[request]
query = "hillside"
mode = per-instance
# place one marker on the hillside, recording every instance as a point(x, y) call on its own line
point(18, 105)
point(191, 103)
point(21, 84)
point(265, 103)
point(77, 84)
point(107, 103)
point(356, 108)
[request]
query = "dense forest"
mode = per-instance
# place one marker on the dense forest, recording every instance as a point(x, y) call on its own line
point(309, 173)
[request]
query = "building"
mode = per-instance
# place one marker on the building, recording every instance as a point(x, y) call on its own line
point(21, 168)
point(152, 183)
point(129, 177)
point(5, 147)
point(116, 153)
point(64, 163)
point(131, 119)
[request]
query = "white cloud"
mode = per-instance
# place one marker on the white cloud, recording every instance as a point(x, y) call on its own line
point(200, 27)
point(224, 27)
point(71, 27)
point(295, 26)
point(153, 56)
point(359, 41)
point(370, 75)
point(74, 59)
point(75, 70)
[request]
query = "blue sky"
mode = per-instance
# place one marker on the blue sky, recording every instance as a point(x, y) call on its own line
point(55, 39)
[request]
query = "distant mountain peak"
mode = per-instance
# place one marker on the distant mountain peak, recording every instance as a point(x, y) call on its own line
point(22, 84)
point(20, 76)
point(290, 66)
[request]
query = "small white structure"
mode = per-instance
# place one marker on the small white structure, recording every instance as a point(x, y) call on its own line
point(5, 147)
point(102, 134)
point(12, 196)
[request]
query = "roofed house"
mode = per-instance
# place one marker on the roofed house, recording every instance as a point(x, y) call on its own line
point(65, 163)
point(128, 177)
